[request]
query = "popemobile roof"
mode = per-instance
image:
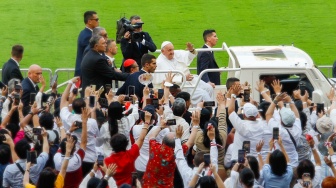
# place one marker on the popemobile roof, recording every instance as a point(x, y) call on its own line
point(270, 56)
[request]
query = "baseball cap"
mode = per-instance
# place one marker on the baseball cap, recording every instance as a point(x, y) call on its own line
point(287, 117)
point(250, 110)
point(165, 43)
point(128, 62)
point(324, 124)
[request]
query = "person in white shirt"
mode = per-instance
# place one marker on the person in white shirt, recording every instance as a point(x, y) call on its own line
point(289, 125)
point(249, 129)
point(171, 59)
point(69, 118)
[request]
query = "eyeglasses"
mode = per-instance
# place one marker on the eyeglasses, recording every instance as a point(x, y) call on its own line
point(97, 19)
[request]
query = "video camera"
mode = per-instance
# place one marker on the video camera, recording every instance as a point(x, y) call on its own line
point(127, 26)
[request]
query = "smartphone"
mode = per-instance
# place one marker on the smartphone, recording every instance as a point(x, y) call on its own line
point(16, 99)
point(78, 124)
point(206, 158)
point(160, 93)
point(149, 101)
point(92, 101)
point(33, 157)
point(108, 87)
point(37, 131)
point(319, 108)
point(155, 103)
point(2, 137)
point(78, 83)
point(32, 98)
point(246, 95)
point(302, 88)
point(241, 156)
point(17, 88)
point(171, 122)
point(306, 179)
point(209, 103)
point(93, 87)
point(246, 146)
point(275, 133)
point(131, 90)
point(53, 80)
point(101, 90)
point(100, 160)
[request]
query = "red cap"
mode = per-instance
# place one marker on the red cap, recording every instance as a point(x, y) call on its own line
point(128, 62)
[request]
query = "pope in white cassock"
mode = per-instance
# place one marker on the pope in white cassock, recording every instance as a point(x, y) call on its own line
point(171, 59)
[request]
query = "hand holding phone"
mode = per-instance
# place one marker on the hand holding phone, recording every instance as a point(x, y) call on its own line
point(37, 131)
point(206, 158)
point(100, 160)
point(208, 103)
point(31, 157)
point(241, 156)
point(275, 133)
point(78, 124)
point(246, 146)
point(92, 101)
point(171, 122)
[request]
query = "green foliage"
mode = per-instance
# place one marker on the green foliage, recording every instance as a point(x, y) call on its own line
point(48, 29)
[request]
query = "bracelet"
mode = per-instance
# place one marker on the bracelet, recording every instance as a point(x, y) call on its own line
point(264, 91)
point(258, 153)
point(275, 101)
point(145, 128)
point(70, 105)
point(106, 177)
point(93, 171)
point(66, 158)
point(196, 126)
point(304, 103)
point(70, 82)
point(61, 127)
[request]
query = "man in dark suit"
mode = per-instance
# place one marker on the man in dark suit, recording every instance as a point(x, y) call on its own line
point(133, 49)
point(11, 69)
point(29, 85)
point(95, 68)
point(91, 21)
point(206, 60)
point(148, 66)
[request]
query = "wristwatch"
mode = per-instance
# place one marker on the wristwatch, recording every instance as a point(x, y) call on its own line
point(275, 101)
point(233, 96)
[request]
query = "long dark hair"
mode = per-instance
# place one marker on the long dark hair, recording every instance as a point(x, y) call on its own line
point(206, 140)
point(254, 165)
point(206, 182)
point(47, 178)
point(114, 114)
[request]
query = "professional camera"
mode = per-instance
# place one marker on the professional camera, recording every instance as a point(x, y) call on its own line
point(135, 36)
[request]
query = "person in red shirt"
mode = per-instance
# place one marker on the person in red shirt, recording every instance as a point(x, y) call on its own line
point(161, 164)
point(124, 159)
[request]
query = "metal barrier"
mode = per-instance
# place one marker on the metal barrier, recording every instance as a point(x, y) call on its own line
point(25, 72)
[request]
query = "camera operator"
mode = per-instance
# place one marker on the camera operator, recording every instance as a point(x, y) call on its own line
point(135, 42)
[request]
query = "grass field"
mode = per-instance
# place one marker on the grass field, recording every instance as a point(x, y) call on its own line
point(48, 29)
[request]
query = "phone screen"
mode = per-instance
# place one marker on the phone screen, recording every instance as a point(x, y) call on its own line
point(16, 99)
point(275, 133)
point(131, 90)
point(246, 146)
point(319, 108)
point(92, 101)
point(78, 124)
point(33, 157)
point(306, 179)
point(53, 80)
point(206, 159)
point(209, 103)
point(160, 93)
point(241, 156)
point(171, 122)
point(246, 95)
point(100, 160)
point(37, 131)
point(32, 98)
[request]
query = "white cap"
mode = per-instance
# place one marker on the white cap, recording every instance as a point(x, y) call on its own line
point(165, 43)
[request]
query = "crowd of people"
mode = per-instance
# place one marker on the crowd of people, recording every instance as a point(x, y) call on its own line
point(147, 135)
